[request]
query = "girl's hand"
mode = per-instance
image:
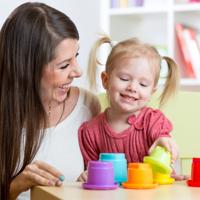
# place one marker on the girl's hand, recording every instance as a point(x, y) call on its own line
point(37, 173)
point(180, 177)
point(169, 144)
point(83, 177)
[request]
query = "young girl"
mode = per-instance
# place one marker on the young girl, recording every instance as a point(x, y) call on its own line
point(128, 125)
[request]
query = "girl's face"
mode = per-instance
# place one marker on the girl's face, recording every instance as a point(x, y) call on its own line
point(59, 73)
point(130, 84)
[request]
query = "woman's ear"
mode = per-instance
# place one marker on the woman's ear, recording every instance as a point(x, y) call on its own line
point(104, 79)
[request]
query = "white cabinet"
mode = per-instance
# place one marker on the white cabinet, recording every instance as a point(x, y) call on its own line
point(153, 23)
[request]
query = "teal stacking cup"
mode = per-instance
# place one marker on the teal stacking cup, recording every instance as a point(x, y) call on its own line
point(119, 165)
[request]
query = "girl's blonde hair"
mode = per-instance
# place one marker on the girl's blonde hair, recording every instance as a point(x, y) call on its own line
point(134, 48)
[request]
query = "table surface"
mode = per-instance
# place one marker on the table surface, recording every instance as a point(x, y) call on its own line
point(74, 191)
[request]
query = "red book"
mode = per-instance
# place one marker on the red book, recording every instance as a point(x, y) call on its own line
point(185, 56)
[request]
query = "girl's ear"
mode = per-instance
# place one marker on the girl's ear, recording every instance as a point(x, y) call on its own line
point(104, 79)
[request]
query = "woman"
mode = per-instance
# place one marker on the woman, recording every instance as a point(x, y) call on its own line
point(40, 112)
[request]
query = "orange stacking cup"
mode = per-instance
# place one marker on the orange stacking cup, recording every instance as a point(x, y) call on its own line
point(140, 176)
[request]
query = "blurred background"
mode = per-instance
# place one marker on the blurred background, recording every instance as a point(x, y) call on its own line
point(172, 26)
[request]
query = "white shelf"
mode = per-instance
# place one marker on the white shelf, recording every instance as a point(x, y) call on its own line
point(187, 7)
point(137, 10)
point(190, 82)
point(152, 24)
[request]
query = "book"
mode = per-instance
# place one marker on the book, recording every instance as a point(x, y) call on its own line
point(114, 4)
point(194, 1)
point(123, 3)
point(193, 49)
point(187, 67)
point(135, 3)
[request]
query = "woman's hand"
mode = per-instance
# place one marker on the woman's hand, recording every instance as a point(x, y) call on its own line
point(37, 173)
point(83, 177)
point(169, 144)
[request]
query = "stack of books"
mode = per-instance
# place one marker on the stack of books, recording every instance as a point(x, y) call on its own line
point(188, 40)
point(125, 3)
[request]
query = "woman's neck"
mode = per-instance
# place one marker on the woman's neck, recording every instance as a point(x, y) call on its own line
point(58, 111)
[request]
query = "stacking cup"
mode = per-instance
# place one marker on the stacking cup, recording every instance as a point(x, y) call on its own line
point(162, 179)
point(195, 173)
point(160, 160)
point(119, 165)
point(140, 176)
point(100, 176)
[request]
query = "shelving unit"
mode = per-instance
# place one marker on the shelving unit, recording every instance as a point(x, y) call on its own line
point(154, 24)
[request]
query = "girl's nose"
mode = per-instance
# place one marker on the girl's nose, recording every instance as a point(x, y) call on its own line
point(132, 87)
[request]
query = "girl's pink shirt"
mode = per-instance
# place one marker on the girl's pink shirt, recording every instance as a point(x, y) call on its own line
point(96, 136)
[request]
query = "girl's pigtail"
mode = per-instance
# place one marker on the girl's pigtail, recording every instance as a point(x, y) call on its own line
point(94, 62)
point(172, 80)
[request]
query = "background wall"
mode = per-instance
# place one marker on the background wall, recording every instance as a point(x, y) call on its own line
point(86, 16)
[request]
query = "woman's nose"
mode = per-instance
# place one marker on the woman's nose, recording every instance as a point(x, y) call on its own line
point(76, 71)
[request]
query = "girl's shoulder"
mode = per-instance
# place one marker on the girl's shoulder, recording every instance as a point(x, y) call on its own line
point(151, 111)
point(151, 114)
point(95, 123)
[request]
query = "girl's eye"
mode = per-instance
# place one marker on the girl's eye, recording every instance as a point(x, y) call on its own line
point(143, 85)
point(65, 66)
point(123, 79)
point(77, 54)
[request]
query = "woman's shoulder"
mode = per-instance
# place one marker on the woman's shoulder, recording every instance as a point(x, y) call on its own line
point(90, 100)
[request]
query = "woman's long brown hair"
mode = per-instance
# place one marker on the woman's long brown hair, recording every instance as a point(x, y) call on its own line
point(28, 40)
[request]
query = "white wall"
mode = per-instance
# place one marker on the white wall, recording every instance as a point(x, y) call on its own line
point(85, 14)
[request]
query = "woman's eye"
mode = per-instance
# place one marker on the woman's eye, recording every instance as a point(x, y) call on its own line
point(65, 66)
point(77, 54)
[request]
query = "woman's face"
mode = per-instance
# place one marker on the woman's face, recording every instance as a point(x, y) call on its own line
point(59, 73)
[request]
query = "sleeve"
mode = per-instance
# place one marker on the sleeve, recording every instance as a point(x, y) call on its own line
point(87, 144)
point(159, 126)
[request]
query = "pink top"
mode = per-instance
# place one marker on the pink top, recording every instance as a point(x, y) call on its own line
point(96, 136)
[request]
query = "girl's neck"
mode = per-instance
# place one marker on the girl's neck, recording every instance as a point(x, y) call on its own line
point(118, 121)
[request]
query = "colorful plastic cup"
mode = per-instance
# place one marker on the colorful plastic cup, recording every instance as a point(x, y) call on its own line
point(140, 176)
point(119, 164)
point(195, 173)
point(162, 179)
point(160, 160)
point(100, 176)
